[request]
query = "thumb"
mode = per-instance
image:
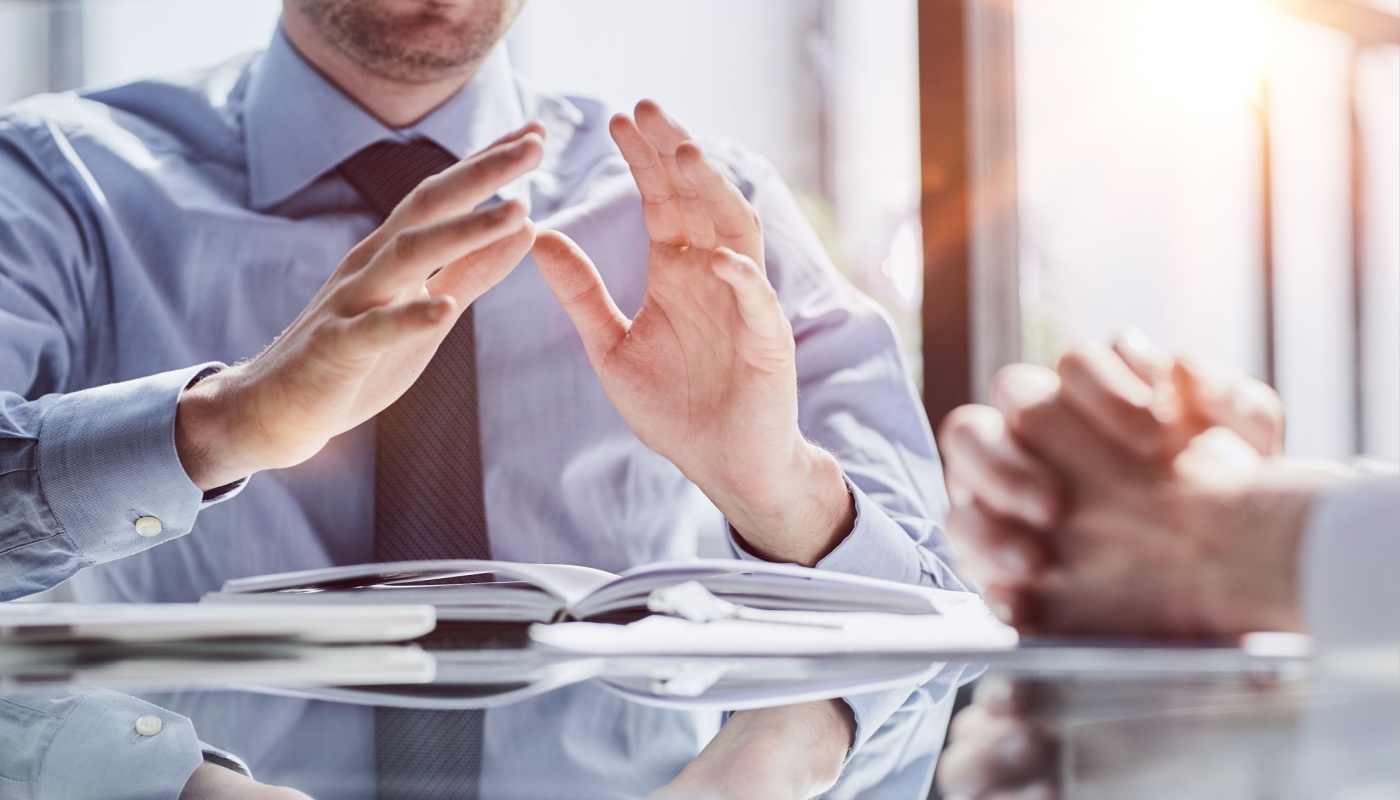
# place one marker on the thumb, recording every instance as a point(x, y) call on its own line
point(1219, 454)
point(579, 288)
point(1242, 404)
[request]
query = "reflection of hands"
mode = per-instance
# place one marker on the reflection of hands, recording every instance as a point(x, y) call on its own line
point(372, 327)
point(210, 782)
point(1129, 493)
point(998, 749)
point(785, 753)
point(705, 374)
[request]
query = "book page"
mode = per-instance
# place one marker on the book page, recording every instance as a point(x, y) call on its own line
point(565, 583)
point(770, 586)
point(813, 633)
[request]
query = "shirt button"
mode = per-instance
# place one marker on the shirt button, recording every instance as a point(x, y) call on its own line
point(148, 526)
point(148, 725)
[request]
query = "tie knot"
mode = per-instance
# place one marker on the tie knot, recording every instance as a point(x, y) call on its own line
point(385, 172)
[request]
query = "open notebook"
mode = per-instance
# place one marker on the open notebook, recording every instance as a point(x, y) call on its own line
point(509, 592)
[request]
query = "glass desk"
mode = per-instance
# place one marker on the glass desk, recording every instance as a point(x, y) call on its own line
point(555, 727)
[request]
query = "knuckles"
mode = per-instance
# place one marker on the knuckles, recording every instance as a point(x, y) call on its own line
point(426, 200)
point(406, 245)
point(1074, 363)
point(964, 431)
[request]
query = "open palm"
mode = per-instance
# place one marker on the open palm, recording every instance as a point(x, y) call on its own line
point(705, 373)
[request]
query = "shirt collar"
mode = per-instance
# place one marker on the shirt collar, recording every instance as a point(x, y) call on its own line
point(299, 126)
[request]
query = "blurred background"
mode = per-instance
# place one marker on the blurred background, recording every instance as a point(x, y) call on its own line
point(1004, 177)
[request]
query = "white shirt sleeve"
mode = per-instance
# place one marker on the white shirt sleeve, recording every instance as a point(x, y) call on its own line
point(1350, 566)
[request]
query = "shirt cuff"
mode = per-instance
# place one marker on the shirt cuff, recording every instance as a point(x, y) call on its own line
point(877, 547)
point(109, 471)
point(115, 746)
point(1350, 557)
point(872, 711)
point(223, 758)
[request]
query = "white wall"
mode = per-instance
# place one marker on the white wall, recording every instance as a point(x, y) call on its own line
point(129, 39)
point(1140, 180)
point(23, 51)
point(730, 68)
point(773, 77)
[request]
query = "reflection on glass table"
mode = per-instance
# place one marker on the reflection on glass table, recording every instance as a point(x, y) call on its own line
point(549, 725)
point(1206, 738)
point(1052, 724)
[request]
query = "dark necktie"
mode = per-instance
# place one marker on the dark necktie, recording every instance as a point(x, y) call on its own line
point(428, 500)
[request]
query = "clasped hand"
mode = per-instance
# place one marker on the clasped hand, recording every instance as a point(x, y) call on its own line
point(1131, 493)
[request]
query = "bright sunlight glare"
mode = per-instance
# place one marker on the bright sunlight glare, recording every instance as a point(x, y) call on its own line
point(1200, 51)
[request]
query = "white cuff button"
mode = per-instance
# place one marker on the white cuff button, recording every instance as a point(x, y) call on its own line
point(148, 527)
point(148, 725)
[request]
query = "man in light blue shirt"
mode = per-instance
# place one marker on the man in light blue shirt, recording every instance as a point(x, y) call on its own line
point(152, 233)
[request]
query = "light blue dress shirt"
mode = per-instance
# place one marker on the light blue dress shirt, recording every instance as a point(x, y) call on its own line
point(86, 744)
point(151, 230)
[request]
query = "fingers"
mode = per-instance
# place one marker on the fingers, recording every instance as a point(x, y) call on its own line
point(579, 288)
point(533, 126)
point(1219, 454)
point(1059, 435)
point(1144, 358)
point(736, 224)
point(758, 303)
point(660, 204)
point(468, 278)
point(985, 462)
point(1030, 699)
point(1097, 383)
point(996, 755)
point(993, 551)
point(379, 328)
point(667, 136)
point(412, 255)
point(470, 182)
point(1219, 397)
point(1020, 386)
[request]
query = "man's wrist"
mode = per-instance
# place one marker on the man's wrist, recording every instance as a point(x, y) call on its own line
point(206, 434)
point(800, 519)
point(1253, 535)
point(821, 731)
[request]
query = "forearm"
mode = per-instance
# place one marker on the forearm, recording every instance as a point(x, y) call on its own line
point(97, 743)
point(792, 751)
point(89, 477)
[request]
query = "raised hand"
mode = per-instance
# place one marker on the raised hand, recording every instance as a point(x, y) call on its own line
point(705, 374)
point(371, 329)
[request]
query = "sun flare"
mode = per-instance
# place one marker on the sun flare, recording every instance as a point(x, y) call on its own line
point(1200, 50)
